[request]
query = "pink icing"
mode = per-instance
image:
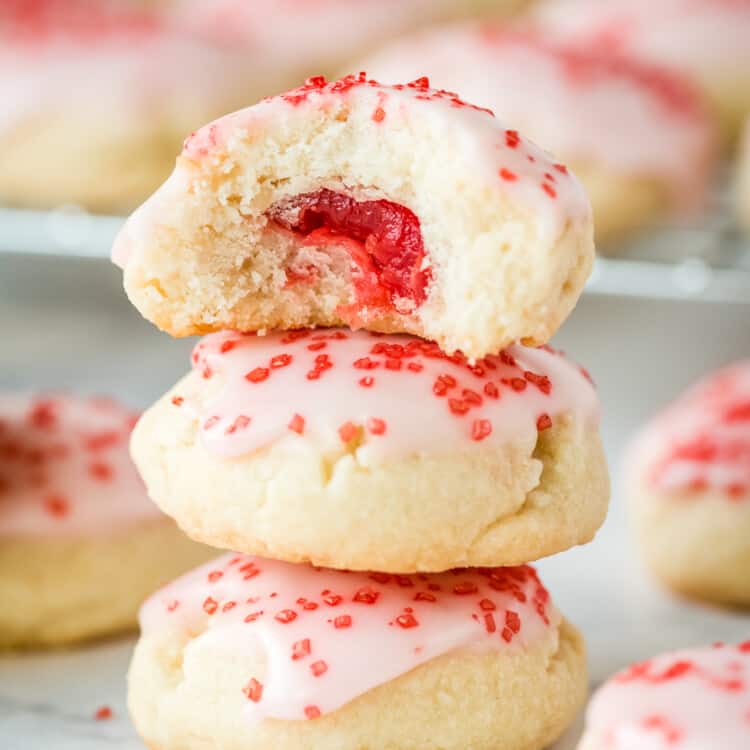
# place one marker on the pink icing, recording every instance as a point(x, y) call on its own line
point(705, 37)
point(383, 394)
point(688, 700)
point(329, 636)
point(495, 155)
point(65, 468)
point(578, 103)
point(702, 440)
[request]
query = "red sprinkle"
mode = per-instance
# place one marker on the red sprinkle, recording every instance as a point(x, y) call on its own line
point(481, 429)
point(103, 713)
point(366, 595)
point(407, 621)
point(318, 668)
point(506, 174)
point(544, 422)
point(312, 712)
point(286, 616)
point(376, 426)
point(297, 424)
point(342, 621)
point(281, 360)
point(178, 400)
point(300, 649)
point(253, 690)
point(258, 375)
point(348, 431)
point(210, 605)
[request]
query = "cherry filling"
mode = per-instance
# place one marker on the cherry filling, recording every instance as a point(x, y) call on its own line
point(383, 238)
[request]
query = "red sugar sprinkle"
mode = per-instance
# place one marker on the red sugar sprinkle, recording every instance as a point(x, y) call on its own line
point(549, 190)
point(542, 382)
point(507, 635)
point(415, 367)
point(382, 578)
point(317, 346)
point(513, 621)
point(518, 384)
point(172, 606)
point(376, 426)
point(333, 600)
point(489, 622)
point(240, 423)
point(458, 406)
point(101, 471)
point(178, 400)
point(342, 621)
point(318, 668)
point(227, 346)
point(366, 595)
point(407, 621)
point(544, 422)
point(253, 690)
point(393, 364)
point(210, 605)
point(424, 596)
point(300, 649)
point(57, 505)
point(103, 713)
point(467, 587)
point(491, 390)
point(285, 616)
point(228, 606)
point(367, 382)
point(280, 360)
point(365, 363)
point(506, 174)
point(258, 375)
point(512, 139)
point(348, 431)
point(253, 616)
point(297, 424)
point(481, 429)
point(312, 712)
point(210, 422)
point(487, 605)
point(561, 168)
point(214, 576)
point(379, 114)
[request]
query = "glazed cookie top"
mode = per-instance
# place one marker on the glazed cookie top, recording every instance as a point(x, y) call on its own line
point(378, 395)
point(701, 442)
point(696, 35)
point(65, 468)
point(687, 700)
point(580, 104)
point(322, 637)
point(494, 154)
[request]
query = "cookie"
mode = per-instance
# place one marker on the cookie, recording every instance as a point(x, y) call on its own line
point(706, 39)
point(247, 653)
point(81, 545)
point(97, 100)
point(690, 489)
point(640, 138)
point(692, 699)
point(328, 205)
point(363, 451)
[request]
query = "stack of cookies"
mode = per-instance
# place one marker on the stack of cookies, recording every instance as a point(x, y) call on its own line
point(373, 424)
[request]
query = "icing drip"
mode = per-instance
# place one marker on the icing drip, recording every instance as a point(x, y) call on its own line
point(324, 637)
point(378, 395)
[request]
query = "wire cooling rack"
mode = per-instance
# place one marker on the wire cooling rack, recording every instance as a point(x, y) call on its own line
point(707, 261)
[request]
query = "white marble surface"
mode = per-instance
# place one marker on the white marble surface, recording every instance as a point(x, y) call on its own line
point(65, 324)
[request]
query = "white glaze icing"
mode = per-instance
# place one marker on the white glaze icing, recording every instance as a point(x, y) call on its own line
point(350, 631)
point(393, 395)
point(65, 468)
point(580, 105)
point(706, 37)
point(687, 700)
point(702, 440)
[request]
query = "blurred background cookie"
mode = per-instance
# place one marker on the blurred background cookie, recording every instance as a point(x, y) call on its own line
point(690, 489)
point(80, 543)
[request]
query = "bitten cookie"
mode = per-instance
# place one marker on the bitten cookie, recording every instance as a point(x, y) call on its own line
point(640, 138)
point(686, 700)
point(363, 451)
point(707, 39)
point(81, 545)
point(97, 99)
point(395, 208)
point(690, 489)
point(248, 654)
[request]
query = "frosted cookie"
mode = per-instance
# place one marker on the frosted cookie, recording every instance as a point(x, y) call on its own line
point(743, 180)
point(686, 700)
point(707, 39)
point(361, 451)
point(254, 653)
point(395, 208)
point(690, 489)
point(97, 99)
point(81, 545)
point(640, 138)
